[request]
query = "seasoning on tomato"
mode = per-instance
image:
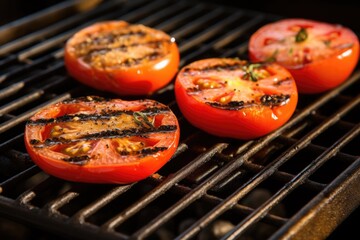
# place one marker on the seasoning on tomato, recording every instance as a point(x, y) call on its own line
point(234, 98)
point(122, 58)
point(320, 56)
point(91, 139)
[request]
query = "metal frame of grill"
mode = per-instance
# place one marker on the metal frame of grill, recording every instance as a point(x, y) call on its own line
point(311, 164)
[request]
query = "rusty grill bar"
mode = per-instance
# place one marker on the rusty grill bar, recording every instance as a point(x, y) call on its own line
point(309, 168)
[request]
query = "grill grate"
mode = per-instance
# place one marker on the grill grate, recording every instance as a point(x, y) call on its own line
point(298, 181)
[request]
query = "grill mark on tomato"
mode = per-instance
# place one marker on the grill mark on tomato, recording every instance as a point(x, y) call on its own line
point(217, 67)
point(108, 38)
point(105, 115)
point(232, 105)
point(144, 151)
point(280, 82)
point(274, 100)
point(265, 100)
point(77, 160)
point(84, 159)
point(134, 61)
point(125, 47)
point(108, 134)
point(94, 99)
point(94, 49)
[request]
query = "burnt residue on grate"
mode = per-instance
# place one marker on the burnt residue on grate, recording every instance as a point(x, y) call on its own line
point(300, 179)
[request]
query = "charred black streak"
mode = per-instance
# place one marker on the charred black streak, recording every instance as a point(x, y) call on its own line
point(282, 81)
point(144, 151)
point(86, 99)
point(124, 47)
point(106, 135)
point(216, 67)
point(233, 105)
point(77, 160)
point(274, 100)
point(105, 115)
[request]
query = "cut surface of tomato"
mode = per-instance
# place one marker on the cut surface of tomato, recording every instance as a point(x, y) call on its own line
point(236, 99)
point(97, 140)
point(319, 55)
point(123, 58)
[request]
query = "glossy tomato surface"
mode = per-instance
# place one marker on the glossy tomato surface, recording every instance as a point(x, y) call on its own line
point(91, 139)
point(236, 99)
point(320, 56)
point(123, 58)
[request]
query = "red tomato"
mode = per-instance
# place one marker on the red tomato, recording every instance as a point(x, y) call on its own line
point(232, 98)
point(320, 56)
point(91, 139)
point(122, 58)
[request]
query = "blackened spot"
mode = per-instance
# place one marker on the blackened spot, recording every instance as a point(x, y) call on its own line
point(274, 100)
point(34, 141)
point(233, 105)
point(216, 67)
point(78, 160)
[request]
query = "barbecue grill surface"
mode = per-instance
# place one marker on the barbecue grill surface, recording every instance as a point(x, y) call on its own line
point(300, 181)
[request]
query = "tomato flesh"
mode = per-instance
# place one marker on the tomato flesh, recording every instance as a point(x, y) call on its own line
point(320, 56)
point(123, 58)
point(233, 98)
point(102, 141)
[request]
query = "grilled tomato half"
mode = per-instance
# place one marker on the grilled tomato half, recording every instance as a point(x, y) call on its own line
point(235, 98)
point(320, 56)
point(97, 140)
point(123, 58)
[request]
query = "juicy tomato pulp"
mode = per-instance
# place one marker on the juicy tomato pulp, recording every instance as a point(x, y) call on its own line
point(122, 58)
point(232, 98)
point(320, 56)
point(91, 139)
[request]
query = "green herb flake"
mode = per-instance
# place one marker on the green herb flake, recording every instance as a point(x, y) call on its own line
point(291, 51)
point(301, 36)
point(272, 58)
point(327, 42)
point(140, 119)
point(249, 71)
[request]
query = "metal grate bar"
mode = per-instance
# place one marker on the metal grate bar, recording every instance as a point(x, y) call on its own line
point(284, 176)
point(59, 39)
point(171, 22)
point(316, 148)
point(230, 167)
point(238, 208)
point(26, 197)
point(197, 39)
point(99, 203)
point(16, 28)
point(53, 206)
point(21, 102)
point(56, 28)
point(11, 141)
point(9, 183)
point(224, 39)
point(194, 25)
point(26, 115)
point(28, 98)
point(27, 67)
point(266, 172)
point(295, 182)
point(171, 10)
point(238, 50)
point(143, 11)
point(164, 186)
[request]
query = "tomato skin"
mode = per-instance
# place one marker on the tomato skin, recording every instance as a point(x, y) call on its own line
point(138, 79)
point(320, 74)
point(105, 165)
point(246, 123)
